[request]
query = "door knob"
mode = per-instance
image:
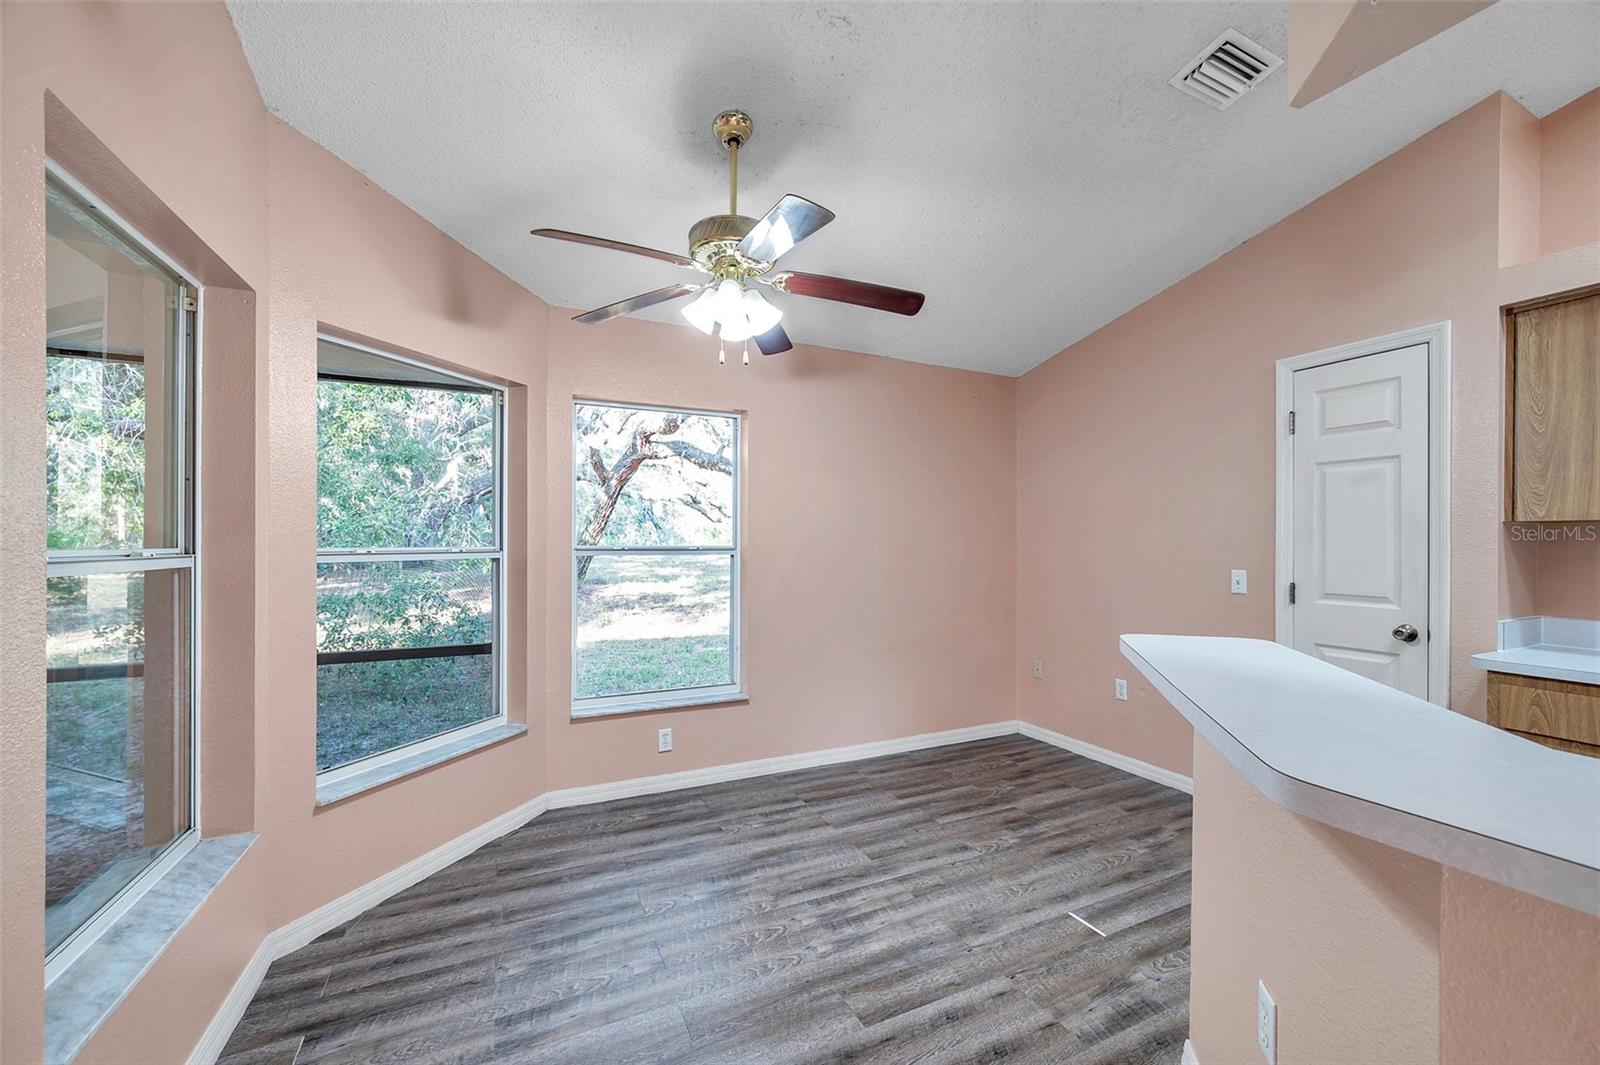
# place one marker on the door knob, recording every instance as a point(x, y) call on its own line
point(1405, 633)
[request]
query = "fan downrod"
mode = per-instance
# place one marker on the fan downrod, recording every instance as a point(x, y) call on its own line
point(712, 240)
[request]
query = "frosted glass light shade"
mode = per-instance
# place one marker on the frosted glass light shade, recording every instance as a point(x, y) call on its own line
point(763, 315)
point(701, 311)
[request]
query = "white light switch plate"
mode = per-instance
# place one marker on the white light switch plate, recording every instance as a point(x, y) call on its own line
point(1240, 582)
point(1038, 669)
point(664, 740)
point(1122, 689)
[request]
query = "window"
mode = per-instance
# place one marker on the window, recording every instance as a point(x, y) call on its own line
point(119, 569)
point(409, 559)
point(655, 574)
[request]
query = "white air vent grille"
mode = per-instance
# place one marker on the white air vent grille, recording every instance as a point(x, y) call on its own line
point(1231, 66)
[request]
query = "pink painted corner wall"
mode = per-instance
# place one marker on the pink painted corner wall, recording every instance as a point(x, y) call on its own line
point(1372, 954)
point(345, 255)
point(118, 68)
point(1146, 450)
point(1343, 931)
point(1569, 174)
point(879, 546)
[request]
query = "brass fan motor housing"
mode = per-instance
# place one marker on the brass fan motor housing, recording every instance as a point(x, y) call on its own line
point(714, 238)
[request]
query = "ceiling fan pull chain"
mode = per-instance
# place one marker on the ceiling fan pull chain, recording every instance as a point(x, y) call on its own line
point(747, 353)
point(722, 354)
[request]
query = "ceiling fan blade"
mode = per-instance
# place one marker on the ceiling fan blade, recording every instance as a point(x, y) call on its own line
point(791, 220)
point(635, 303)
point(617, 245)
point(843, 290)
point(774, 341)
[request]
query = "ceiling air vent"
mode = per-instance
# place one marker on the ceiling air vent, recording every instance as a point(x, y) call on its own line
point(1230, 67)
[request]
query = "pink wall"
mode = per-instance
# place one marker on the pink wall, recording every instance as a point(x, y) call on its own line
point(1343, 931)
point(120, 69)
point(347, 256)
point(1522, 977)
point(1146, 450)
point(1569, 167)
point(1372, 954)
point(879, 546)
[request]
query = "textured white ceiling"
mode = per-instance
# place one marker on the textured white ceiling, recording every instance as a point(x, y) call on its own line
point(1025, 165)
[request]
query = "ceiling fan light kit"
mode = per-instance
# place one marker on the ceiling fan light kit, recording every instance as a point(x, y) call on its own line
point(738, 252)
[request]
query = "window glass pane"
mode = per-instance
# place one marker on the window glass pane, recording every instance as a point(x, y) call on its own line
point(403, 466)
point(653, 622)
point(651, 477)
point(111, 391)
point(117, 734)
point(404, 652)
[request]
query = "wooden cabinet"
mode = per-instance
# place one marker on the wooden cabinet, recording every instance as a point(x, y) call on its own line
point(1553, 411)
point(1556, 713)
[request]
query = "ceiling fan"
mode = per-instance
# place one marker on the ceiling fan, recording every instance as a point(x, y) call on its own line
point(737, 253)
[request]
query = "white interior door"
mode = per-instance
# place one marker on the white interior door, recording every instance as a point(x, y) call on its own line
point(1360, 448)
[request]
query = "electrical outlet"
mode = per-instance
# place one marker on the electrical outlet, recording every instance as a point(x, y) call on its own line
point(1240, 582)
point(1266, 1024)
point(663, 740)
point(1122, 689)
point(1038, 669)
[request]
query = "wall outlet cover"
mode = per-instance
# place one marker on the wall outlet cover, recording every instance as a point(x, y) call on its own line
point(1122, 689)
point(1266, 1024)
point(663, 740)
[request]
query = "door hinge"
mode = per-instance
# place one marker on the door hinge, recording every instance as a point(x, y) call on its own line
point(1291, 423)
point(1291, 591)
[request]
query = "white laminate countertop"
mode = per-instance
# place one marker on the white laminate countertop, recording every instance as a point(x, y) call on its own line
point(1353, 753)
point(1554, 648)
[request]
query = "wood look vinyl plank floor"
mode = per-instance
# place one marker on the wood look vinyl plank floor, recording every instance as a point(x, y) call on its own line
point(993, 901)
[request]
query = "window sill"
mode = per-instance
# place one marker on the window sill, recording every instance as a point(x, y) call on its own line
point(666, 702)
point(330, 792)
point(79, 1000)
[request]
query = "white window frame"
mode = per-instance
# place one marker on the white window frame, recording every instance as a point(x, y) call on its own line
point(497, 584)
point(186, 555)
point(672, 698)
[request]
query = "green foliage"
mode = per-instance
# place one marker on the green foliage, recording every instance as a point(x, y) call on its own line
point(94, 453)
point(366, 605)
point(402, 467)
point(370, 707)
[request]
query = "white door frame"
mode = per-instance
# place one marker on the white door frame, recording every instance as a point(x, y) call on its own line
point(1437, 338)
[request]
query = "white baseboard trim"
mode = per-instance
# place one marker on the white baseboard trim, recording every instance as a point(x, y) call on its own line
point(232, 1009)
point(1109, 757)
point(304, 929)
point(1188, 1055)
point(788, 763)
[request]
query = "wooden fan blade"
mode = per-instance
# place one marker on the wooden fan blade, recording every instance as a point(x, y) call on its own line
point(843, 290)
point(635, 303)
point(774, 341)
point(791, 220)
point(617, 245)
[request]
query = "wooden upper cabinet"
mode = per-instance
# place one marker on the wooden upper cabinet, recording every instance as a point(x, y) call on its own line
point(1553, 368)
